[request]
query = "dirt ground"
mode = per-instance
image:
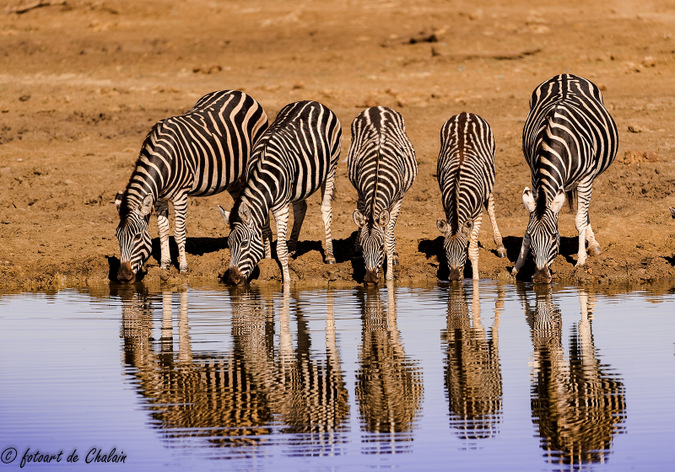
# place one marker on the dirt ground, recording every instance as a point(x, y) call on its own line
point(82, 82)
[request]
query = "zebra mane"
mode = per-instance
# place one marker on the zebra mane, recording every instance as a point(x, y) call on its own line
point(371, 218)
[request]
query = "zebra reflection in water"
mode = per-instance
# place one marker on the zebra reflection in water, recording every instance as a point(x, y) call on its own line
point(225, 397)
point(578, 404)
point(388, 383)
point(311, 393)
point(234, 398)
point(473, 378)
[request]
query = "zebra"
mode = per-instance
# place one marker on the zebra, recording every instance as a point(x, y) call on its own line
point(466, 177)
point(297, 155)
point(200, 153)
point(382, 167)
point(569, 138)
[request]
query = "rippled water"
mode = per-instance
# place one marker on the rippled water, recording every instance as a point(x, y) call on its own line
point(462, 377)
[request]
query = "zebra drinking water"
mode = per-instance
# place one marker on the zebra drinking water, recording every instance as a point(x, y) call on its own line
point(297, 155)
point(466, 176)
point(382, 167)
point(200, 153)
point(569, 138)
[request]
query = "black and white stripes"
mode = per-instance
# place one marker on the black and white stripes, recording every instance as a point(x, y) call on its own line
point(569, 139)
point(202, 152)
point(466, 177)
point(382, 167)
point(295, 157)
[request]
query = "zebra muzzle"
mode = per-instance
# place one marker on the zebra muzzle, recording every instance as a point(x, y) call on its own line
point(455, 273)
point(371, 277)
point(234, 276)
point(125, 274)
point(542, 276)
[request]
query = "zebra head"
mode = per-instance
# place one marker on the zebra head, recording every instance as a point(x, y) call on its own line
point(132, 234)
point(455, 244)
point(542, 231)
point(245, 242)
point(371, 240)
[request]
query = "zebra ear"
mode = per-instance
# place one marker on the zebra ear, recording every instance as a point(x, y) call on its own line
point(442, 225)
point(244, 213)
point(467, 228)
point(557, 202)
point(225, 214)
point(118, 201)
point(359, 219)
point(528, 200)
point(383, 219)
point(146, 205)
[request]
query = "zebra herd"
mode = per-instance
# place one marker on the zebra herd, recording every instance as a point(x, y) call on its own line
point(224, 143)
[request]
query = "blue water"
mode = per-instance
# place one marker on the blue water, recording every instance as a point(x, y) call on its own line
point(463, 377)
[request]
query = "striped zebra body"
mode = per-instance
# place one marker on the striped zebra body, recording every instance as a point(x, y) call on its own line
point(200, 153)
point(466, 177)
point(569, 138)
point(382, 167)
point(297, 155)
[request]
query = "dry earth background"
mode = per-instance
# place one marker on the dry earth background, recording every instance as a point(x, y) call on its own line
point(81, 83)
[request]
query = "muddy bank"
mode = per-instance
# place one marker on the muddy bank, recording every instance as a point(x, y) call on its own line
point(82, 83)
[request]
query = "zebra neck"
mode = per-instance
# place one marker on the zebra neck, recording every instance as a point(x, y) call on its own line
point(137, 190)
point(376, 184)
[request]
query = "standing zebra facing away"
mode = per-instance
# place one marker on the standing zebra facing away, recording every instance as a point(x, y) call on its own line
point(466, 177)
point(569, 138)
point(382, 167)
point(200, 153)
point(297, 155)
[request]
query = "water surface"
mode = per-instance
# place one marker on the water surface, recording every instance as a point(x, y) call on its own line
point(464, 377)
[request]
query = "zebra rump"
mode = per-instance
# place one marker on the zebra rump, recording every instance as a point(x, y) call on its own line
point(199, 153)
point(297, 155)
point(466, 177)
point(382, 167)
point(569, 138)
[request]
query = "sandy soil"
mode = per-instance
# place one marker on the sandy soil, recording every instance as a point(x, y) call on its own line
point(82, 83)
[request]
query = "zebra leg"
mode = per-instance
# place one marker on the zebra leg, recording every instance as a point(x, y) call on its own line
point(281, 217)
point(267, 238)
point(524, 250)
point(390, 240)
point(180, 210)
point(299, 211)
point(593, 246)
point(584, 191)
point(496, 235)
point(162, 210)
point(473, 245)
point(327, 215)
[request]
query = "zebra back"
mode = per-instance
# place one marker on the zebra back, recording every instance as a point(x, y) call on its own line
point(381, 161)
point(569, 135)
point(293, 158)
point(466, 167)
point(203, 151)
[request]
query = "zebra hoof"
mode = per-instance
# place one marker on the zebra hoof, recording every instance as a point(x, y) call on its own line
point(501, 251)
point(183, 269)
point(514, 272)
point(394, 260)
point(595, 250)
point(165, 265)
point(330, 260)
